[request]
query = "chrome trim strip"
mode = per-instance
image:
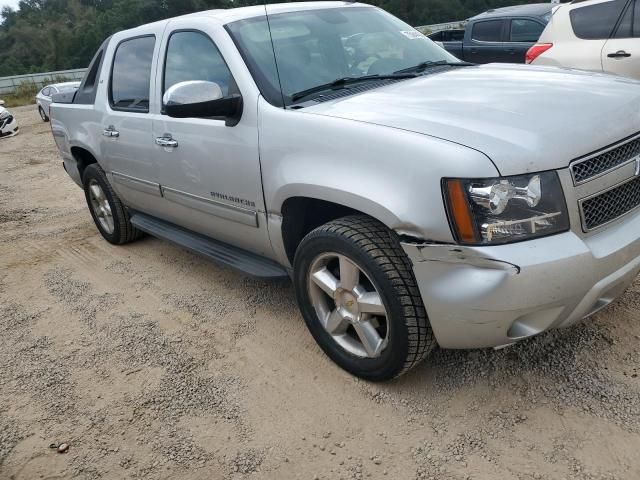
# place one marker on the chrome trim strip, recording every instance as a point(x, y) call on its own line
point(597, 194)
point(136, 183)
point(597, 154)
point(212, 207)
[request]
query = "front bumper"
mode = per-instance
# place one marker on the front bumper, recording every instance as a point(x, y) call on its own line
point(492, 296)
point(8, 127)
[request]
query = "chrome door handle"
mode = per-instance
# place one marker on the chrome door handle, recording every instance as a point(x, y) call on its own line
point(166, 141)
point(619, 54)
point(110, 132)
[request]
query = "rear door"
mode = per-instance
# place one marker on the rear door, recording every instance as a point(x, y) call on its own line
point(484, 42)
point(126, 132)
point(621, 53)
point(593, 24)
point(523, 33)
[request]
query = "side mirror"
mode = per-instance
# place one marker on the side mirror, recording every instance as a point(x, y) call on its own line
point(197, 99)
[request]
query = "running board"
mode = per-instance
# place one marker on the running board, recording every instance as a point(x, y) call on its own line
point(222, 253)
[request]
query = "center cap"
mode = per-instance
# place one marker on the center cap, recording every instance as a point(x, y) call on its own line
point(348, 303)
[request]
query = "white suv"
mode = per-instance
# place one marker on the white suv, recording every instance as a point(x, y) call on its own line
point(598, 35)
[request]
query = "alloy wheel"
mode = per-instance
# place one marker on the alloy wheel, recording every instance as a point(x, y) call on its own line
point(348, 305)
point(100, 206)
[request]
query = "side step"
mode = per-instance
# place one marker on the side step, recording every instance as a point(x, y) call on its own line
point(222, 253)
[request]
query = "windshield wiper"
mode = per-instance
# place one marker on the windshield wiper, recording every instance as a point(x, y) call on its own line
point(343, 82)
point(422, 66)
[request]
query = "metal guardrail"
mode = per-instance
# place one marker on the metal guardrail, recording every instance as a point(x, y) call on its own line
point(427, 29)
point(8, 85)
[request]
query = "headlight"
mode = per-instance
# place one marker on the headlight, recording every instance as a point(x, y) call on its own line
point(492, 211)
point(4, 114)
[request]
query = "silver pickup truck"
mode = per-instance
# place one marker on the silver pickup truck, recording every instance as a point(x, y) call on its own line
point(413, 199)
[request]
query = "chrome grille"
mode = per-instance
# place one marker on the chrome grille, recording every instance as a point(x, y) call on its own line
point(614, 203)
point(584, 170)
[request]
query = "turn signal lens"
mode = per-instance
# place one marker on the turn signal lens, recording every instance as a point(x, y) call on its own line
point(460, 211)
point(537, 50)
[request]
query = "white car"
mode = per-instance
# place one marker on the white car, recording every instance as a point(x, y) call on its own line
point(43, 99)
point(597, 35)
point(8, 123)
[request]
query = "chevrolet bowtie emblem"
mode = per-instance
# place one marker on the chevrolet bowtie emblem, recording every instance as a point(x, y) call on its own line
point(349, 304)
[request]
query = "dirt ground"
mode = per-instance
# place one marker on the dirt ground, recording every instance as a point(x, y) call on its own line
point(152, 363)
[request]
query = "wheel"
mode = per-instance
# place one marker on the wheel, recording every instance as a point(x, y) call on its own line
point(43, 115)
point(359, 298)
point(108, 212)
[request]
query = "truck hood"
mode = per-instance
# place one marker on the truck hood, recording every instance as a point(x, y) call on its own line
point(524, 118)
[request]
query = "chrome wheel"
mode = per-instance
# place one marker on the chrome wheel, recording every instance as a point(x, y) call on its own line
point(348, 305)
point(100, 206)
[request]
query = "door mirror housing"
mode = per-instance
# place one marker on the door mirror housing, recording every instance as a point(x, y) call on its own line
point(201, 99)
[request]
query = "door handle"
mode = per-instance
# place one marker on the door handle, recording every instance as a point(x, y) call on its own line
point(111, 132)
point(619, 54)
point(166, 141)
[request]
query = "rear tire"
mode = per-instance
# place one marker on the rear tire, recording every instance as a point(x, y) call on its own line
point(336, 315)
point(43, 115)
point(108, 212)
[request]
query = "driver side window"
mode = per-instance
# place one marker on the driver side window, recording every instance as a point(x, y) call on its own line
point(193, 56)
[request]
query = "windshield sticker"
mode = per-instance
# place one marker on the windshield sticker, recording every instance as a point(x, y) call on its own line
point(412, 34)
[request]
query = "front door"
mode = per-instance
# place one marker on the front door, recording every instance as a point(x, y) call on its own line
point(126, 129)
point(209, 170)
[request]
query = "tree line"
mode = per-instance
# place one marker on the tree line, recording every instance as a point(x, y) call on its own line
point(47, 35)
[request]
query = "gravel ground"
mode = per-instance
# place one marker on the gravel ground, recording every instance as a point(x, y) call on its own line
point(151, 363)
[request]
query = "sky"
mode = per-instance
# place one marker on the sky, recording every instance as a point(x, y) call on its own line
point(12, 3)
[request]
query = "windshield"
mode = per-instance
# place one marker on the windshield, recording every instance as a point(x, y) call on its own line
point(316, 47)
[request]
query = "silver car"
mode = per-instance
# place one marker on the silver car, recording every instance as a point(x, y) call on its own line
point(414, 199)
point(43, 98)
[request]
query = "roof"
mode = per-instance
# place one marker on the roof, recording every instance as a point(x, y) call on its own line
point(225, 16)
point(532, 10)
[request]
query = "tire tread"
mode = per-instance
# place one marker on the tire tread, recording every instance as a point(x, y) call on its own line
point(383, 246)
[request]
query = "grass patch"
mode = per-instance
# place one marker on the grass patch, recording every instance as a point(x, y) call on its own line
point(25, 94)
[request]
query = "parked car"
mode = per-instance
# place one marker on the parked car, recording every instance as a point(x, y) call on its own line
point(8, 123)
point(502, 35)
point(413, 199)
point(43, 98)
point(598, 35)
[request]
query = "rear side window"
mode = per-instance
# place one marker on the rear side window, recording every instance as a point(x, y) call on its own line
point(596, 22)
point(489, 31)
point(45, 91)
point(193, 56)
point(131, 74)
point(523, 30)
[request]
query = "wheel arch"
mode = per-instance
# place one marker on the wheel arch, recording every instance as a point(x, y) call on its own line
point(83, 158)
point(301, 214)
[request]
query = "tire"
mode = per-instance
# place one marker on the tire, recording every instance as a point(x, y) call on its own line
point(375, 250)
point(43, 115)
point(121, 231)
